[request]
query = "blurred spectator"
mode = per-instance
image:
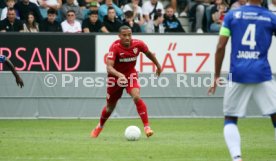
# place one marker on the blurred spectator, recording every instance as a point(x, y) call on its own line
point(69, 5)
point(9, 4)
point(2, 4)
point(180, 7)
point(24, 7)
point(50, 24)
point(31, 25)
point(238, 4)
point(197, 15)
point(93, 24)
point(75, 2)
point(171, 23)
point(265, 3)
point(150, 8)
point(137, 11)
point(47, 4)
point(272, 6)
point(101, 2)
point(218, 11)
point(93, 6)
point(111, 23)
point(156, 25)
point(104, 7)
point(82, 3)
point(71, 25)
point(129, 21)
point(34, 1)
point(85, 4)
point(122, 3)
point(11, 24)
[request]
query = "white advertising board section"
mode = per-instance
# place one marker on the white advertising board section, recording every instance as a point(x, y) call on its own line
point(176, 53)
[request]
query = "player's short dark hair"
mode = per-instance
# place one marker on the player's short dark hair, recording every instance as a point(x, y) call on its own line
point(124, 27)
point(110, 8)
point(93, 13)
point(129, 14)
point(10, 0)
point(169, 6)
point(71, 11)
point(11, 9)
point(52, 11)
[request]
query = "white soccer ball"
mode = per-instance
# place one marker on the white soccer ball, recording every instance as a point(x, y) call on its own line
point(132, 133)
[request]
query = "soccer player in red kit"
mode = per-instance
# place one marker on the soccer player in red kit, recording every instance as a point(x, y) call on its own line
point(121, 61)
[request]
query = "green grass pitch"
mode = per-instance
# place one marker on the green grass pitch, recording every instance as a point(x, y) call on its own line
point(174, 140)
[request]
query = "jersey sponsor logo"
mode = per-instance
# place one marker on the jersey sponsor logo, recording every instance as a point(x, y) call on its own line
point(248, 55)
point(135, 50)
point(237, 14)
point(251, 16)
point(125, 60)
point(110, 55)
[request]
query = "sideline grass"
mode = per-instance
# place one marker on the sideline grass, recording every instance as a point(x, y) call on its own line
point(174, 140)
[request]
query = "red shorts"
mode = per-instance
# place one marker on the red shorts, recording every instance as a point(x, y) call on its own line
point(115, 90)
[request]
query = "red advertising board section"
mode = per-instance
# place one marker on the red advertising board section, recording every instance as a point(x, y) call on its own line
point(177, 53)
point(49, 52)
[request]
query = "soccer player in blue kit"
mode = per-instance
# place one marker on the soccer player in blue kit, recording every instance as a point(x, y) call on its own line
point(251, 28)
point(6, 61)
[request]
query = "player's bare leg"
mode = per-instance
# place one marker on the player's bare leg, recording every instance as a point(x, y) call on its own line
point(273, 119)
point(232, 137)
point(106, 112)
point(142, 110)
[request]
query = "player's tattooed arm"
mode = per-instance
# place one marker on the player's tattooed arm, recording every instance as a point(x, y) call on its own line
point(220, 52)
point(155, 61)
point(111, 70)
point(18, 79)
point(219, 56)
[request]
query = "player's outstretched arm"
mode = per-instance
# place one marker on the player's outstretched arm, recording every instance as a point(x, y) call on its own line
point(219, 56)
point(19, 81)
point(155, 61)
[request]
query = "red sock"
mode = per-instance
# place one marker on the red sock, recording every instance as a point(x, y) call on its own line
point(105, 115)
point(142, 111)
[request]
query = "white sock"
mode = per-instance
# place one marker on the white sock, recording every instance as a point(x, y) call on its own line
point(233, 140)
point(275, 134)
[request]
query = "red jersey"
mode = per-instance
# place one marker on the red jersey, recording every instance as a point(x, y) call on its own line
point(125, 58)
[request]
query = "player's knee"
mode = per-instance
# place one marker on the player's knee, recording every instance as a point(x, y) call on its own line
point(110, 108)
point(136, 98)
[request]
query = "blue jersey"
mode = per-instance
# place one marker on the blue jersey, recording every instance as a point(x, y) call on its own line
point(2, 58)
point(251, 30)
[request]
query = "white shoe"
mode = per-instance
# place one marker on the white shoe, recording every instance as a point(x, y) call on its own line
point(238, 159)
point(199, 31)
point(183, 14)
